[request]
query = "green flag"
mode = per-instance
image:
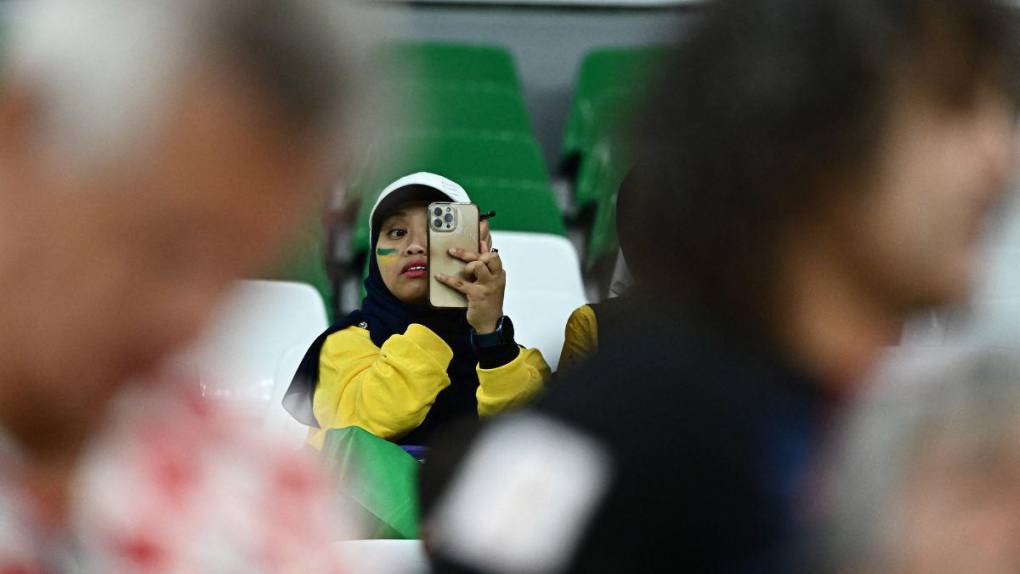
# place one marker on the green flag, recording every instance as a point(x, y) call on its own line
point(378, 476)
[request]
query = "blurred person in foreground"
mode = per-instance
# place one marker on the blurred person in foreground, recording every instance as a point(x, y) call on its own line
point(150, 153)
point(820, 170)
point(928, 470)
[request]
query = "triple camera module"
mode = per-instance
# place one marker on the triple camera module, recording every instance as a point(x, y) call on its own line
point(444, 218)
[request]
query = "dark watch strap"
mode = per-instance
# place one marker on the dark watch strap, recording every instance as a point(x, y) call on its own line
point(502, 336)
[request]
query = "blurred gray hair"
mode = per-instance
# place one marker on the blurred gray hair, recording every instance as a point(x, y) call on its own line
point(964, 402)
point(104, 70)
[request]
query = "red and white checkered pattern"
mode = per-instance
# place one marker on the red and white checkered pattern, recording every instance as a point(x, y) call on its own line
point(175, 485)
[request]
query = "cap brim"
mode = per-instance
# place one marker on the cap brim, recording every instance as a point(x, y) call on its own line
point(421, 186)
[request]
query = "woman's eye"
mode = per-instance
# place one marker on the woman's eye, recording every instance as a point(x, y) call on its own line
point(397, 233)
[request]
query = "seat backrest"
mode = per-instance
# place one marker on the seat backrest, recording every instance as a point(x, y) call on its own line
point(506, 157)
point(304, 261)
point(1001, 274)
point(279, 422)
point(448, 63)
point(544, 286)
point(617, 68)
point(240, 356)
point(507, 175)
point(989, 323)
point(610, 82)
point(539, 261)
point(520, 207)
point(986, 323)
point(992, 315)
point(540, 318)
point(457, 110)
point(383, 556)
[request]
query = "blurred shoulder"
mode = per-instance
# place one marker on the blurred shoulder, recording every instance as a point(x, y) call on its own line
point(195, 466)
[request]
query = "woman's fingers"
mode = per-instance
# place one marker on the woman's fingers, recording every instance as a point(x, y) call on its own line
point(490, 259)
point(479, 270)
point(456, 283)
point(463, 255)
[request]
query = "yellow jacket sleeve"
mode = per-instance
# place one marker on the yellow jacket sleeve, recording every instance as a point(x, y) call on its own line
point(387, 391)
point(511, 384)
point(581, 338)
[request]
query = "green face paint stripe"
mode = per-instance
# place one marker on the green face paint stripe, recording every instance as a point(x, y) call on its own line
point(382, 252)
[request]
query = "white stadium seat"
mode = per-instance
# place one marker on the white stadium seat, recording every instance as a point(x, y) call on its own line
point(544, 286)
point(253, 346)
point(988, 323)
point(383, 556)
point(278, 420)
point(539, 261)
point(1001, 275)
point(992, 315)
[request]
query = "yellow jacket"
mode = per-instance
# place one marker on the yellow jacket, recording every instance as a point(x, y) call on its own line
point(581, 338)
point(388, 391)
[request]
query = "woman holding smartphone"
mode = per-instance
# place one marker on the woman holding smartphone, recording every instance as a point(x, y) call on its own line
point(400, 368)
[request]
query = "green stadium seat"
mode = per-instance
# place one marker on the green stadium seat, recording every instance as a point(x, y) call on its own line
point(418, 112)
point(304, 261)
point(604, 171)
point(469, 110)
point(610, 85)
point(602, 240)
point(511, 158)
point(456, 89)
point(614, 109)
point(520, 205)
point(507, 175)
point(448, 64)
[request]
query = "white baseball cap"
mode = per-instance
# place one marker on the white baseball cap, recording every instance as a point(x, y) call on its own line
point(446, 188)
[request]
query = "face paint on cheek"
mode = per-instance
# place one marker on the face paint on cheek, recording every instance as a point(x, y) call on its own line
point(386, 256)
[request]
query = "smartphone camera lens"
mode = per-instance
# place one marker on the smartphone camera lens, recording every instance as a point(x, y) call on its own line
point(438, 223)
point(448, 218)
point(438, 211)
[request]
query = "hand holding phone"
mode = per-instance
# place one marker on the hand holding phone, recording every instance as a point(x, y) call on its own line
point(451, 226)
point(477, 276)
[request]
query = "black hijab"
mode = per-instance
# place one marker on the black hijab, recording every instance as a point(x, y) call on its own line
point(384, 316)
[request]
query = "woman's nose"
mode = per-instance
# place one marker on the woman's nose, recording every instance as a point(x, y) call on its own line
point(415, 247)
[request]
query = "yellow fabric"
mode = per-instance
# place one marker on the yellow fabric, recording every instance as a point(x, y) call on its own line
point(512, 384)
point(581, 338)
point(388, 391)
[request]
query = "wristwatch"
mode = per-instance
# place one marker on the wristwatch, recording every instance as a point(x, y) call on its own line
point(502, 336)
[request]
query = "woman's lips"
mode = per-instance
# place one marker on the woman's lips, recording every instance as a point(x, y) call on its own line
point(415, 270)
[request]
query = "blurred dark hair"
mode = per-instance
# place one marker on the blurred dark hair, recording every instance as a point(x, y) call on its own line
point(770, 109)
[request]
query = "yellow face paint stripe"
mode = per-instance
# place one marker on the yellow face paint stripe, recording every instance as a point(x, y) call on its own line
point(385, 255)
